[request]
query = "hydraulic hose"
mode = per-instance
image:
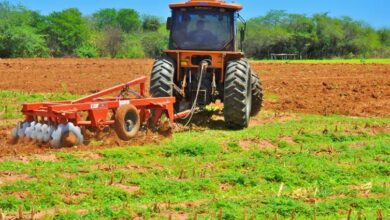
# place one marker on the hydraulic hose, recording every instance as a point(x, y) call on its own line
point(203, 67)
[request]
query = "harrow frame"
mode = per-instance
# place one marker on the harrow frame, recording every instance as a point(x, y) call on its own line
point(93, 111)
point(98, 107)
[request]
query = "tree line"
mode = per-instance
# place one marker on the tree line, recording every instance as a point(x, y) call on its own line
point(124, 33)
point(314, 37)
point(115, 33)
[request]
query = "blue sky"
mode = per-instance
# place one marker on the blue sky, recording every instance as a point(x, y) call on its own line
point(374, 12)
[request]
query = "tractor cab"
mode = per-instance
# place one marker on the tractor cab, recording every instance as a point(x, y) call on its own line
point(203, 25)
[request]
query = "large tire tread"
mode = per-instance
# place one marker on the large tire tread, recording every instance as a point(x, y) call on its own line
point(257, 94)
point(236, 94)
point(162, 77)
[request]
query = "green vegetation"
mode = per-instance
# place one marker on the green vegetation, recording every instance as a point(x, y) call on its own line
point(339, 162)
point(19, 33)
point(11, 101)
point(106, 33)
point(314, 37)
point(65, 31)
point(331, 61)
point(124, 33)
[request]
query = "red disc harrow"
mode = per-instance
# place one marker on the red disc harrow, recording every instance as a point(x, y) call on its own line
point(63, 123)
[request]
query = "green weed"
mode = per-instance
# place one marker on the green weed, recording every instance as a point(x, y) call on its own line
point(11, 101)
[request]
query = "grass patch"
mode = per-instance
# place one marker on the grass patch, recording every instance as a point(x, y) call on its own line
point(11, 101)
point(271, 97)
point(331, 61)
point(340, 162)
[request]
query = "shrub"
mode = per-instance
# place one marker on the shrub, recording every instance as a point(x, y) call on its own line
point(87, 51)
point(24, 42)
point(154, 43)
point(131, 48)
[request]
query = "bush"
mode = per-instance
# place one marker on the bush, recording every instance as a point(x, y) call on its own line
point(154, 43)
point(128, 20)
point(66, 30)
point(110, 41)
point(24, 42)
point(87, 51)
point(131, 48)
point(151, 23)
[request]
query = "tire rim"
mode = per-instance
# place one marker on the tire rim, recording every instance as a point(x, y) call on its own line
point(130, 120)
point(129, 125)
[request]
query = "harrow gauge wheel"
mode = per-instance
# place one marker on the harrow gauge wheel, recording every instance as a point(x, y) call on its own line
point(127, 122)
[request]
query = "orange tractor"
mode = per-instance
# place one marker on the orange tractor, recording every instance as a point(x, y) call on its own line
point(205, 62)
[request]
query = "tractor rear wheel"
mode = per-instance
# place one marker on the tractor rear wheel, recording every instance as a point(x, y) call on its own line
point(257, 94)
point(237, 94)
point(162, 78)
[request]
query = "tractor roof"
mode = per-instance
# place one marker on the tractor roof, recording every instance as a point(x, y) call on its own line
point(207, 3)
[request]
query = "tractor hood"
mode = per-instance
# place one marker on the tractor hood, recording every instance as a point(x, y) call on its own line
point(207, 3)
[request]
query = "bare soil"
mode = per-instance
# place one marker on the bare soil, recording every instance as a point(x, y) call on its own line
point(348, 89)
point(77, 76)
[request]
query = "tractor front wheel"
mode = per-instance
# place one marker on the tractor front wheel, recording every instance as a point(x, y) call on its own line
point(237, 94)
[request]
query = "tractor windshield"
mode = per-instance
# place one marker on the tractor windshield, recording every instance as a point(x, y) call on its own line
point(202, 28)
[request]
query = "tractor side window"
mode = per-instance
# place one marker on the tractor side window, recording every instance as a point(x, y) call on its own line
point(195, 29)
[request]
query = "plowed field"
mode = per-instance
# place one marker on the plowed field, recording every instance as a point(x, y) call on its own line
point(348, 89)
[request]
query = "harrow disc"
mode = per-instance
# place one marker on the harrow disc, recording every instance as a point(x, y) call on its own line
point(20, 130)
point(29, 130)
point(41, 132)
point(36, 130)
point(66, 135)
point(47, 133)
point(63, 135)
